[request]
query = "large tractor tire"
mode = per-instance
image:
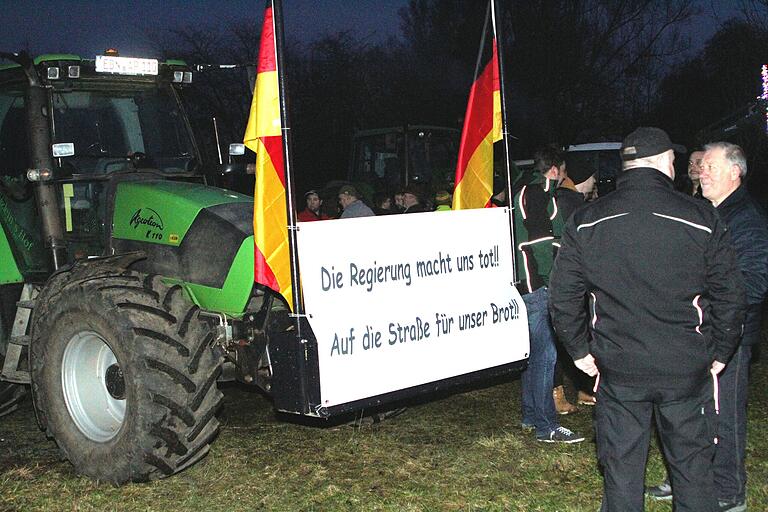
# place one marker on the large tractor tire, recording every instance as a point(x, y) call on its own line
point(124, 376)
point(11, 395)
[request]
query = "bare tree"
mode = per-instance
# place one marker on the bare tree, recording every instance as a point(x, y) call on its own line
point(755, 12)
point(572, 67)
point(595, 63)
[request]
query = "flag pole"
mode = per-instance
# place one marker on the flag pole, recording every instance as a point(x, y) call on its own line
point(482, 40)
point(298, 307)
point(495, 11)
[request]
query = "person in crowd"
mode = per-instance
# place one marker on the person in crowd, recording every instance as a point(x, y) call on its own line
point(443, 201)
point(537, 232)
point(568, 194)
point(694, 172)
point(382, 204)
point(349, 199)
point(723, 167)
point(312, 211)
point(574, 185)
point(500, 198)
point(412, 201)
point(588, 188)
point(399, 205)
point(655, 333)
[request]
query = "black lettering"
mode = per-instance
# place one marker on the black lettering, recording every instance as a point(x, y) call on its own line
point(465, 263)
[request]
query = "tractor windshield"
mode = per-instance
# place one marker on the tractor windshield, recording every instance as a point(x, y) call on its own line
point(381, 159)
point(122, 129)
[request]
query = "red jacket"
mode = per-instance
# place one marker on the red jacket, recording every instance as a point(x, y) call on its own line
point(308, 216)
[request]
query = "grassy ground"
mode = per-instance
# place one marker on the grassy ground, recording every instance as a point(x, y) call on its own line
point(462, 452)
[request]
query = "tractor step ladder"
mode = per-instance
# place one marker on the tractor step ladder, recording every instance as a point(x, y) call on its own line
point(18, 344)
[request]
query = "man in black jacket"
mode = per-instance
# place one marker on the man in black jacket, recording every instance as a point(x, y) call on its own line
point(723, 167)
point(666, 304)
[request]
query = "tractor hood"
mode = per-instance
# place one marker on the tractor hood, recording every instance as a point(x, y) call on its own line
point(199, 236)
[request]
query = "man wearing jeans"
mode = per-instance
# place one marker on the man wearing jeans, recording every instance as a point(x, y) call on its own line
point(537, 232)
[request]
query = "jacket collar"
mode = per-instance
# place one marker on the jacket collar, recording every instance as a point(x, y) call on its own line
point(734, 198)
point(644, 177)
point(536, 178)
point(568, 183)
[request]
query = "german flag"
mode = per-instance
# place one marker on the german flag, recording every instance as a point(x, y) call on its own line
point(263, 135)
point(482, 127)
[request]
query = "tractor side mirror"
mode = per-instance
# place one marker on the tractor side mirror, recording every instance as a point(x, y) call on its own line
point(238, 149)
point(233, 170)
point(237, 177)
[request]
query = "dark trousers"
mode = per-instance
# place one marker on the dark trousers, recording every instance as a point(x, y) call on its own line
point(686, 425)
point(564, 366)
point(730, 472)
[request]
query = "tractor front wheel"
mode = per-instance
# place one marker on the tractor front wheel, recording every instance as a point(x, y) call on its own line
point(124, 377)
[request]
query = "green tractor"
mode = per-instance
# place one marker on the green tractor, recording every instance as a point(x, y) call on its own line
point(126, 283)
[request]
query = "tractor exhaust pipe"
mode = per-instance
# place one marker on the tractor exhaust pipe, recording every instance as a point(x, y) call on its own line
point(41, 160)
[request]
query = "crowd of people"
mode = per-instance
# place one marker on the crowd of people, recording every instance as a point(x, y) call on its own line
point(350, 203)
point(656, 294)
point(649, 298)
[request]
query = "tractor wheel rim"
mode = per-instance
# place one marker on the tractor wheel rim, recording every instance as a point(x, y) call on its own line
point(92, 384)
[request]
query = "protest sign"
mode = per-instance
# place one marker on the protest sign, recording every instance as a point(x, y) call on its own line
point(403, 300)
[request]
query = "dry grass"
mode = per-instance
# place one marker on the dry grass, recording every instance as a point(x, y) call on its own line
point(463, 452)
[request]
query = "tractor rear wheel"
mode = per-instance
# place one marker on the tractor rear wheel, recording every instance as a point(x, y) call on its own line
point(124, 377)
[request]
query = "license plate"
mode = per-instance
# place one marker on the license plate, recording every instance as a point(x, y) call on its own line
point(126, 65)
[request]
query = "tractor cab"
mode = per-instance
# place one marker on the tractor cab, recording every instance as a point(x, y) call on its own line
point(107, 116)
point(386, 160)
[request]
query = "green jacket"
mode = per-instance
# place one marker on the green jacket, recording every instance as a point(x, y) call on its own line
point(538, 228)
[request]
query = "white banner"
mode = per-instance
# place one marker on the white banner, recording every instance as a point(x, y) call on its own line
point(402, 300)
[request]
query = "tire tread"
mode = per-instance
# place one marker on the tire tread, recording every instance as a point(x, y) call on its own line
point(174, 363)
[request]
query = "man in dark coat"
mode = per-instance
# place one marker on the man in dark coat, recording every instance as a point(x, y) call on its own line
point(723, 167)
point(413, 200)
point(666, 305)
point(575, 185)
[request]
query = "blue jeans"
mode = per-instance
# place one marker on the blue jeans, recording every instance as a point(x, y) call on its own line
point(730, 472)
point(537, 379)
